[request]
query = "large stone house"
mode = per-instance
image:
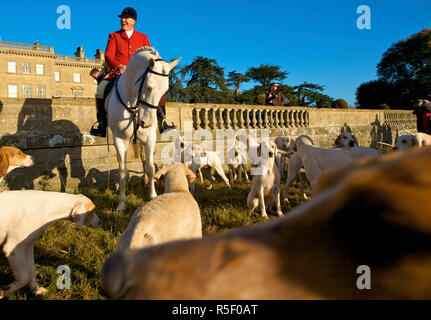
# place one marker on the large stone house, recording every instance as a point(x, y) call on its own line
point(34, 71)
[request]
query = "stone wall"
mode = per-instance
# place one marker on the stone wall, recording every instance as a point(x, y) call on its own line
point(55, 132)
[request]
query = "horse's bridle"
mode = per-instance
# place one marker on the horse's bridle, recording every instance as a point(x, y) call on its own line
point(134, 110)
point(142, 79)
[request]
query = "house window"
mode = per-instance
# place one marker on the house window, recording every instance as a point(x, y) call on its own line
point(26, 91)
point(26, 68)
point(57, 75)
point(12, 91)
point(41, 91)
point(76, 77)
point(78, 93)
point(58, 93)
point(11, 67)
point(39, 69)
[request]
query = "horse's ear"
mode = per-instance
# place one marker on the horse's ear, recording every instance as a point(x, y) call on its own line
point(151, 63)
point(174, 63)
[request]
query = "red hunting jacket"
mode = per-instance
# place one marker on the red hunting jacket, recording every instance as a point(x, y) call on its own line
point(120, 48)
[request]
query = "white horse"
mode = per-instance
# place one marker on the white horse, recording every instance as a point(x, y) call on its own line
point(139, 89)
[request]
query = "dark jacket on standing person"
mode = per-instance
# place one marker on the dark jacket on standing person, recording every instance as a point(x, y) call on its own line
point(274, 98)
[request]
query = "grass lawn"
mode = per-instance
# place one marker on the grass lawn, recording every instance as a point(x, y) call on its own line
point(85, 249)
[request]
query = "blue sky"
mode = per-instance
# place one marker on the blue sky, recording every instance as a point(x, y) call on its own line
point(315, 41)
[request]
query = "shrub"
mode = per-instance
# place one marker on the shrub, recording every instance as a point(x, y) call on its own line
point(340, 104)
point(383, 106)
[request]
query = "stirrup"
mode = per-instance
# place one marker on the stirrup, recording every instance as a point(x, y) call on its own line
point(100, 131)
point(166, 129)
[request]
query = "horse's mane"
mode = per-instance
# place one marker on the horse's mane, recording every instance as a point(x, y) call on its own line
point(146, 48)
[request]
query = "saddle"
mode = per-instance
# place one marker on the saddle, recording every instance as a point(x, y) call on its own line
point(109, 86)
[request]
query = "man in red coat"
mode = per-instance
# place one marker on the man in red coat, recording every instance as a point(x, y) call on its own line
point(123, 43)
point(119, 50)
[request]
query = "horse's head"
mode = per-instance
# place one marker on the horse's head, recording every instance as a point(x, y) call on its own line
point(151, 82)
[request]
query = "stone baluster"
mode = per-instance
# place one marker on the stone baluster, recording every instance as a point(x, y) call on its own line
point(300, 118)
point(245, 116)
point(269, 116)
point(226, 119)
point(216, 118)
point(233, 119)
point(264, 119)
point(295, 118)
point(290, 118)
point(253, 120)
point(259, 118)
point(195, 118)
point(276, 119)
point(211, 118)
point(284, 119)
point(240, 114)
point(204, 118)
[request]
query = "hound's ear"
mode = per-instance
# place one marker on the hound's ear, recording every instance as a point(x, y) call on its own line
point(4, 163)
point(259, 150)
point(337, 142)
point(151, 63)
point(191, 177)
point(159, 174)
point(174, 63)
point(77, 215)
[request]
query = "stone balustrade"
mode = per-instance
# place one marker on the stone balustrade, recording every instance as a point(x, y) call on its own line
point(248, 117)
point(401, 119)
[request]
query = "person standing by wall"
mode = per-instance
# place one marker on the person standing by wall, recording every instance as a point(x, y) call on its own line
point(274, 97)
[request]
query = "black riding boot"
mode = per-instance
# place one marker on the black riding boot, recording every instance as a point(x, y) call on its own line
point(100, 131)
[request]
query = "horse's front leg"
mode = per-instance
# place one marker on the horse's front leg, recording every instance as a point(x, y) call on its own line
point(149, 164)
point(121, 145)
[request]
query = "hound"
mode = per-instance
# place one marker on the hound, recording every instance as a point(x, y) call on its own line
point(185, 151)
point(316, 160)
point(294, 168)
point(265, 188)
point(171, 216)
point(282, 144)
point(11, 158)
point(405, 141)
point(238, 162)
point(24, 216)
point(205, 161)
point(324, 249)
point(343, 140)
point(422, 138)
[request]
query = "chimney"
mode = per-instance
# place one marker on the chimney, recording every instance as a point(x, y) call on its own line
point(100, 55)
point(79, 52)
